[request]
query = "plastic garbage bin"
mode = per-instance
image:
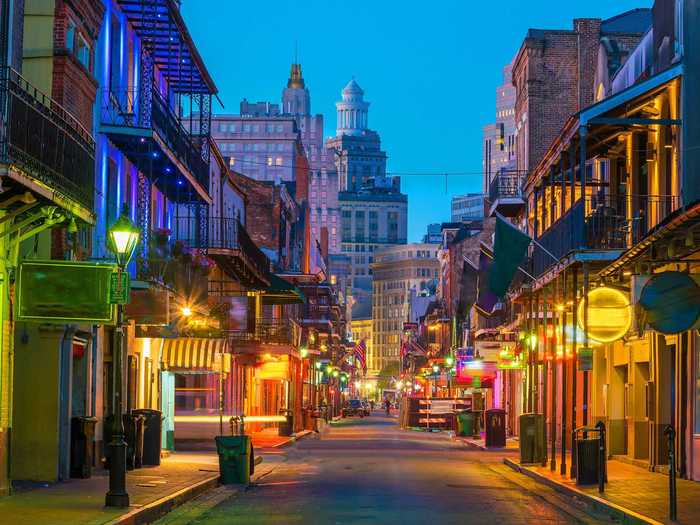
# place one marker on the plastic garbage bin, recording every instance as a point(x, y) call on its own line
point(495, 428)
point(152, 435)
point(82, 446)
point(587, 461)
point(286, 428)
point(465, 423)
point(236, 462)
point(532, 443)
point(133, 433)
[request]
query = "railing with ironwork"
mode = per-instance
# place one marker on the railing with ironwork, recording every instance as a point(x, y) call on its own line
point(506, 185)
point(45, 140)
point(602, 223)
point(265, 330)
point(148, 109)
point(219, 233)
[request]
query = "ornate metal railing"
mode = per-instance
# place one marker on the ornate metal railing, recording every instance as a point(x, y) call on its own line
point(506, 185)
point(45, 140)
point(266, 330)
point(148, 109)
point(603, 223)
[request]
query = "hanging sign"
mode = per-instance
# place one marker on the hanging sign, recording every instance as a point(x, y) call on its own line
point(671, 302)
point(119, 288)
point(585, 359)
point(609, 314)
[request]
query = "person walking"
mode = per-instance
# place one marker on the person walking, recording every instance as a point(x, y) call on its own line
point(387, 406)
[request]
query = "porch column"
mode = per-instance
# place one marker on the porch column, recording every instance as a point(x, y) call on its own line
point(551, 194)
point(553, 367)
point(562, 466)
point(545, 371)
point(584, 394)
point(562, 200)
point(536, 221)
point(583, 132)
point(572, 167)
point(574, 367)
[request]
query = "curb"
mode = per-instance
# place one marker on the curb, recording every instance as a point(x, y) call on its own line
point(619, 513)
point(158, 508)
point(293, 439)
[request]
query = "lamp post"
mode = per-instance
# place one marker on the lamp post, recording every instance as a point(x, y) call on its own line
point(122, 239)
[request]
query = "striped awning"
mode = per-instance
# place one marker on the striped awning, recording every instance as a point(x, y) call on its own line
point(194, 354)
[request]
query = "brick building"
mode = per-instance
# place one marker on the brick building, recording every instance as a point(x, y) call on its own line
point(554, 73)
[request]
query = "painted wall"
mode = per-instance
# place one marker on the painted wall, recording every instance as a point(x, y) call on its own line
point(37, 58)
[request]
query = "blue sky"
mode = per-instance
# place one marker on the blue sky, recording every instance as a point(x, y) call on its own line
point(429, 69)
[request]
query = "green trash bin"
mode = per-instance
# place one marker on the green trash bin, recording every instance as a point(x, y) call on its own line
point(236, 462)
point(465, 423)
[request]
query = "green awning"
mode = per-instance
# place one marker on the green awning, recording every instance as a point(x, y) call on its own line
point(282, 291)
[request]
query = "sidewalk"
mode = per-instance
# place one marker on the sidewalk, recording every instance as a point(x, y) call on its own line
point(512, 444)
point(632, 493)
point(152, 490)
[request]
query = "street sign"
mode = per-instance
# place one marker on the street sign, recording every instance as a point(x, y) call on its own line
point(119, 288)
point(585, 359)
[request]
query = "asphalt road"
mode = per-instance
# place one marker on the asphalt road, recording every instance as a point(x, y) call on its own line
point(367, 471)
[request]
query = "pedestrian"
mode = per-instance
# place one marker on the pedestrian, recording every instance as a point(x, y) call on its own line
point(371, 404)
point(387, 406)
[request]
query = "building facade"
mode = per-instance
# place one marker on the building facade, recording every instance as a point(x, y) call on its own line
point(467, 207)
point(398, 272)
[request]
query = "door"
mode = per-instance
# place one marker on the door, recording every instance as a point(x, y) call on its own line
point(167, 399)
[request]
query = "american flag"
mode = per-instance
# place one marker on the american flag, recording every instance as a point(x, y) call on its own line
point(360, 353)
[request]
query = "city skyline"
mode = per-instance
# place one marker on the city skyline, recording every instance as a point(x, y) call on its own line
point(399, 71)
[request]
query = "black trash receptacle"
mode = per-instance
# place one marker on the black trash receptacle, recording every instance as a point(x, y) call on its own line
point(587, 461)
point(152, 436)
point(495, 428)
point(82, 446)
point(133, 435)
point(286, 428)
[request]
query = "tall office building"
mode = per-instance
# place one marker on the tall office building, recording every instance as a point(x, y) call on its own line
point(373, 211)
point(397, 270)
point(467, 207)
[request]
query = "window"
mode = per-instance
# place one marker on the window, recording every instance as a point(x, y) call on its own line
point(70, 36)
point(269, 161)
point(278, 161)
point(82, 52)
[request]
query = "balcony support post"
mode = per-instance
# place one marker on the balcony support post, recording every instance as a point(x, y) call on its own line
point(562, 173)
point(572, 168)
point(551, 194)
point(545, 368)
point(584, 394)
point(583, 132)
point(536, 221)
point(574, 366)
point(562, 463)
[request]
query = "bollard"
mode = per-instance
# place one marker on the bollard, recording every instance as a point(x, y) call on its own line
point(601, 456)
point(672, 504)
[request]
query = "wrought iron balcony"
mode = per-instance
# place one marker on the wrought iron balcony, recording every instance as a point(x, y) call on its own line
point(266, 331)
point(45, 141)
point(506, 194)
point(606, 222)
point(143, 124)
point(225, 240)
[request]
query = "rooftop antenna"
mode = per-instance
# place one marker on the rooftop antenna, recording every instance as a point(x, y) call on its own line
point(296, 51)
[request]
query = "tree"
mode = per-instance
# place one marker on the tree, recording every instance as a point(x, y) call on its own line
point(388, 371)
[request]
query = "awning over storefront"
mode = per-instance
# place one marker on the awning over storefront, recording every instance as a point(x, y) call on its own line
point(282, 291)
point(193, 354)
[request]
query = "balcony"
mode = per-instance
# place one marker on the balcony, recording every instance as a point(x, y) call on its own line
point(266, 331)
point(607, 223)
point(47, 145)
point(506, 194)
point(226, 241)
point(142, 124)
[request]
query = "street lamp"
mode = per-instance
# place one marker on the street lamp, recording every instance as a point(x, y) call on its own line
point(122, 240)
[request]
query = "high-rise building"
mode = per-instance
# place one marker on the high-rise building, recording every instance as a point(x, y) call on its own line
point(433, 234)
point(373, 211)
point(498, 152)
point(467, 207)
point(396, 271)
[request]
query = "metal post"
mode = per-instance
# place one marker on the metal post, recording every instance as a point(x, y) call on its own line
point(116, 495)
point(545, 365)
point(601, 456)
point(574, 367)
point(584, 395)
point(672, 500)
point(562, 466)
point(553, 367)
point(583, 131)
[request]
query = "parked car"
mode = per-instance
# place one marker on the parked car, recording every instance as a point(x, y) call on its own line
point(354, 407)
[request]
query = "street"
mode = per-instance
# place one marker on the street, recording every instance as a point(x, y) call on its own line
point(369, 471)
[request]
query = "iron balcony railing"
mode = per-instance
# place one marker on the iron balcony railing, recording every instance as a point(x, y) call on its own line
point(603, 223)
point(148, 109)
point(265, 330)
point(45, 140)
point(506, 185)
point(220, 233)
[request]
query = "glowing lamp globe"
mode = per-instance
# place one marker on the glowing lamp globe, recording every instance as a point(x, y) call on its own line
point(609, 314)
point(123, 238)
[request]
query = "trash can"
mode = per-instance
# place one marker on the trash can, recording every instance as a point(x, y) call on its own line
point(133, 434)
point(286, 428)
point(587, 461)
point(152, 435)
point(532, 447)
point(465, 423)
point(495, 428)
point(82, 446)
point(236, 462)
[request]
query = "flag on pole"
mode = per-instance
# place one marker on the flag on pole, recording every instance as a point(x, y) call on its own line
point(360, 353)
point(509, 249)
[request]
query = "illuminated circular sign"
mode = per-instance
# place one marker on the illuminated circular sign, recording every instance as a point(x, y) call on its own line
point(609, 314)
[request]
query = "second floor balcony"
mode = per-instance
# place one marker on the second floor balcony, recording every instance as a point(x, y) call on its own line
point(46, 147)
point(226, 241)
point(266, 331)
point(506, 194)
point(604, 223)
point(143, 125)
